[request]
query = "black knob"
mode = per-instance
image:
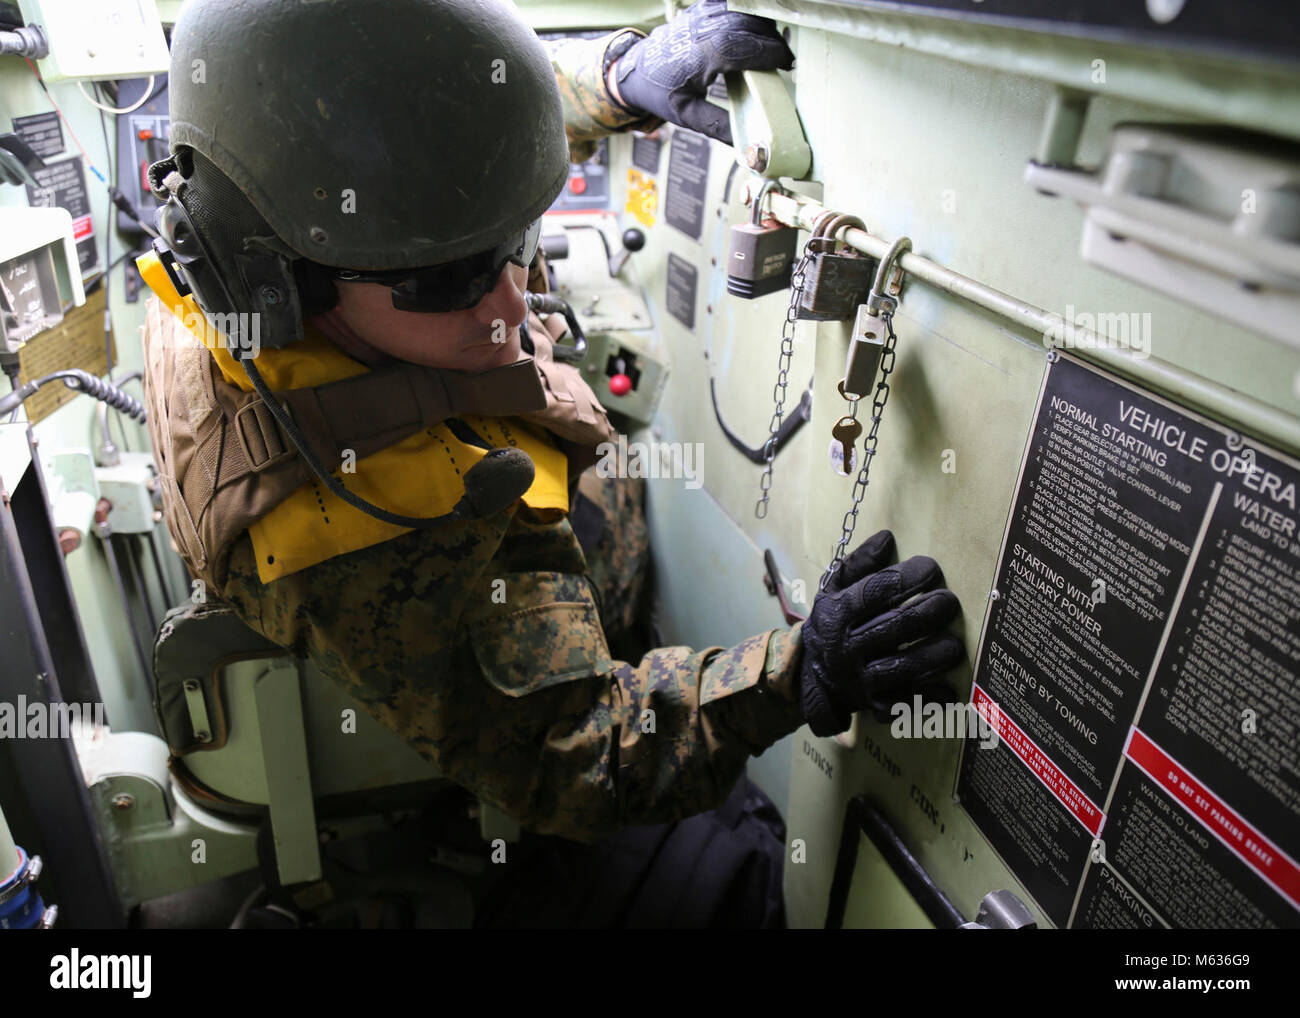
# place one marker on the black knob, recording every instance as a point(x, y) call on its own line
point(555, 246)
point(633, 239)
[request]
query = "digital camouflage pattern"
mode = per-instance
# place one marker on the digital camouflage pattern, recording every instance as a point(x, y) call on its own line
point(590, 113)
point(619, 560)
point(484, 644)
point(481, 644)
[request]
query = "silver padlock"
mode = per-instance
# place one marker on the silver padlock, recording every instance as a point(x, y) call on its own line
point(889, 279)
point(866, 348)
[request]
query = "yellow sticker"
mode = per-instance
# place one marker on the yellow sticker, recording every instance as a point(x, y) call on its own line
point(642, 197)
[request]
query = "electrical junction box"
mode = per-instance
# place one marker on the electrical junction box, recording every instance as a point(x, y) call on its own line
point(100, 40)
point(130, 486)
point(613, 313)
point(77, 485)
point(73, 490)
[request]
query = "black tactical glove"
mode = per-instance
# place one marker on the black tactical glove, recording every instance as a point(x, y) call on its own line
point(668, 72)
point(851, 654)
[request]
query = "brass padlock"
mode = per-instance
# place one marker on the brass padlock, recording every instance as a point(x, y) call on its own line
point(835, 281)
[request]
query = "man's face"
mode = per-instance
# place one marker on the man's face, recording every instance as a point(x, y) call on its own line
point(459, 340)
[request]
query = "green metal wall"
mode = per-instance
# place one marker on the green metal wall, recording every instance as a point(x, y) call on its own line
point(932, 147)
point(73, 425)
point(920, 129)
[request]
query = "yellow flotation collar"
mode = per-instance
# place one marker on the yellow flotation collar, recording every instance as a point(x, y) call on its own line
point(422, 475)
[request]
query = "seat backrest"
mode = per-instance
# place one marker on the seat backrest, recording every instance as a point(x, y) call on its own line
point(194, 645)
point(207, 664)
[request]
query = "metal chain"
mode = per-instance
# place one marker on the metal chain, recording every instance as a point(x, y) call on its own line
point(869, 448)
point(782, 380)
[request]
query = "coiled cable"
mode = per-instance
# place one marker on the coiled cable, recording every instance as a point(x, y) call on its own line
point(83, 381)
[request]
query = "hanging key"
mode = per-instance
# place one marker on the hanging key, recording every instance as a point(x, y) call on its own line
point(866, 347)
point(873, 321)
point(838, 277)
point(846, 432)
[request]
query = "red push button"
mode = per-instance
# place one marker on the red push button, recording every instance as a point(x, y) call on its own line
point(578, 185)
point(620, 385)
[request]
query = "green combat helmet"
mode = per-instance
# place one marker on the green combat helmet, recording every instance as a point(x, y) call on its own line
point(321, 139)
point(351, 134)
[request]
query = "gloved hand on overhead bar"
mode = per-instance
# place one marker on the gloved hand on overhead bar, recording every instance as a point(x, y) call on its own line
point(853, 657)
point(668, 72)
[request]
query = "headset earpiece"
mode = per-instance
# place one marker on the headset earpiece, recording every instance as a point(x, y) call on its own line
point(203, 214)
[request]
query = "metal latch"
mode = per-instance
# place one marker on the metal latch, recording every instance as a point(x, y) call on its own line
point(198, 710)
point(1002, 910)
point(1207, 216)
point(765, 127)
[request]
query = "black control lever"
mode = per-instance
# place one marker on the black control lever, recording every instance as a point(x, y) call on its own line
point(555, 246)
point(548, 304)
point(797, 419)
point(633, 240)
point(773, 583)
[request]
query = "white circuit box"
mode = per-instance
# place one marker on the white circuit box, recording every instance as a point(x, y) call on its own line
point(94, 40)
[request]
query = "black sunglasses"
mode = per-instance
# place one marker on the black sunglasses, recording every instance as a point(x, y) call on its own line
point(453, 286)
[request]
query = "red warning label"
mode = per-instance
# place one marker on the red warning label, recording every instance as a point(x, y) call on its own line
point(1065, 790)
point(1223, 822)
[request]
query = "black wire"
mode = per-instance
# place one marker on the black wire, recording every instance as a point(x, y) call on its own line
point(330, 481)
point(797, 418)
point(109, 221)
point(14, 371)
point(109, 226)
point(110, 150)
point(121, 429)
point(99, 277)
point(136, 251)
point(83, 381)
point(121, 423)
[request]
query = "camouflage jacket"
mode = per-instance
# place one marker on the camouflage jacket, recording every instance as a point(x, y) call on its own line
point(485, 644)
point(590, 112)
point(481, 644)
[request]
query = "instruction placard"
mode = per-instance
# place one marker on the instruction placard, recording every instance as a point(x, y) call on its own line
point(63, 184)
point(42, 131)
point(645, 152)
point(683, 280)
point(1141, 658)
point(76, 342)
point(688, 178)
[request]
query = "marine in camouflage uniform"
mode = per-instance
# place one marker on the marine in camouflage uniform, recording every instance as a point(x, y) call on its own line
point(521, 701)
